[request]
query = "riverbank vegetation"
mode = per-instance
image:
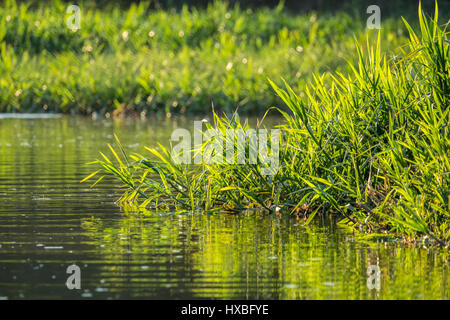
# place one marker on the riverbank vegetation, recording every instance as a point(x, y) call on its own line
point(141, 60)
point(369, 148)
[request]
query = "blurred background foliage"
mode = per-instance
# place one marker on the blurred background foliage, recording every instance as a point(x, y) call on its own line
point(298, 6)
point(168, 58)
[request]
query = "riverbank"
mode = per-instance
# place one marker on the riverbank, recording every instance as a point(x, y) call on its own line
point(142, 61)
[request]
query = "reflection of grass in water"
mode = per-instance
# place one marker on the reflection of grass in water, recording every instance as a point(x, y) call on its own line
point(260, 256)
point(370, 148)
point(137, 59)
point(92, 223)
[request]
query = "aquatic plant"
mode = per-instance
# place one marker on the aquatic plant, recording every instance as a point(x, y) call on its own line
point(370, 148)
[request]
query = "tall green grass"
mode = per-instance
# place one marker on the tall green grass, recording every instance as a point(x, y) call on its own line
point(370, 148)
point(141, 60)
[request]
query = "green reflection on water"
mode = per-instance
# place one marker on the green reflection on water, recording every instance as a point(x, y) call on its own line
point(129, 255)
point(264, 257)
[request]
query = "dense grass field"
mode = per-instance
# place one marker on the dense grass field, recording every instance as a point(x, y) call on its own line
point(138, 59)
point(370, 148)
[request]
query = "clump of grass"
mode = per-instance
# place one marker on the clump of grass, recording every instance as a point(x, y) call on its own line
point(370, 147)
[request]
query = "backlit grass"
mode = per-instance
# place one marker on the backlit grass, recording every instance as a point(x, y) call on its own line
point(370, 148)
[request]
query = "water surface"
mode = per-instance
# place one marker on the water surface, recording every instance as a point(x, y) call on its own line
point(49, 220)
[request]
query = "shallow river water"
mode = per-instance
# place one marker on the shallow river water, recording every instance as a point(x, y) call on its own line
point(49, 221)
